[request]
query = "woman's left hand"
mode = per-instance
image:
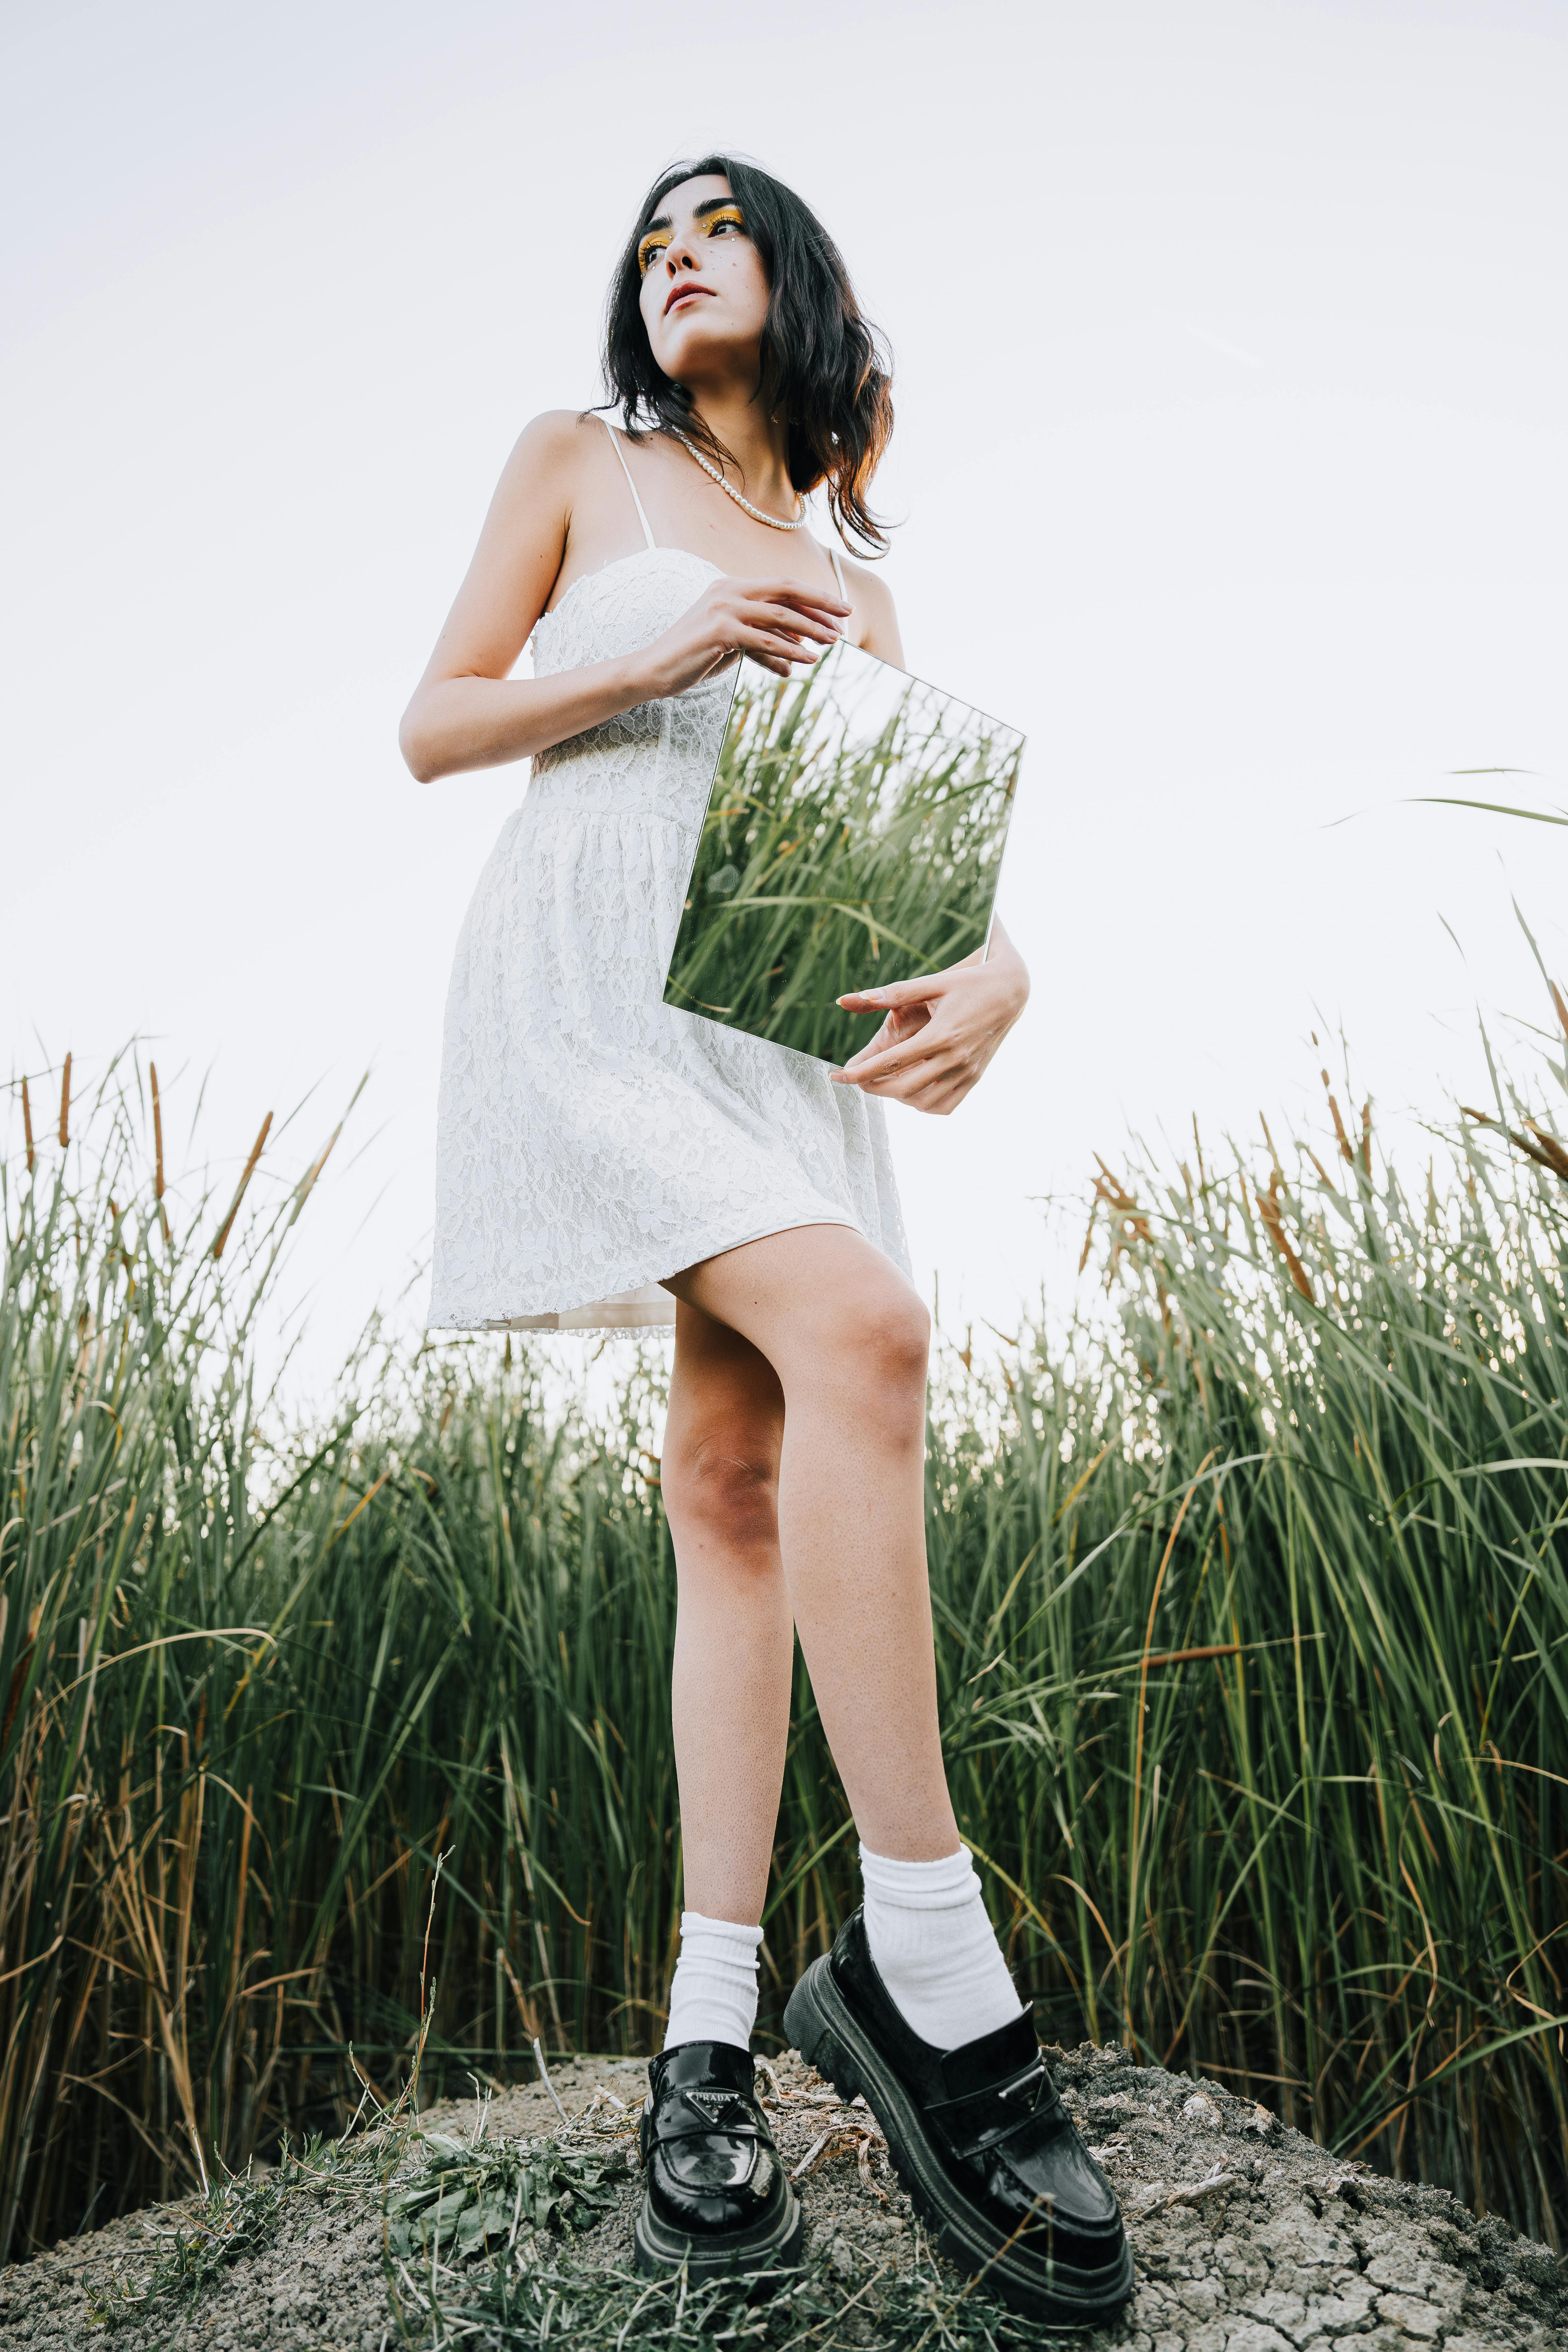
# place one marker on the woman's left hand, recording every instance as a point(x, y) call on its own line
point(941, 1032)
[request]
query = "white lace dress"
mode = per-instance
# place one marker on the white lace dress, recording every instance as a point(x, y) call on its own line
point(591, 1141)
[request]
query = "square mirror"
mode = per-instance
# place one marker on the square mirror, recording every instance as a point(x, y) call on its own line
point(854, 836)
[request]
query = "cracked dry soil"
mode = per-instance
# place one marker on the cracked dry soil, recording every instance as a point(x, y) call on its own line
point(1248, 2237)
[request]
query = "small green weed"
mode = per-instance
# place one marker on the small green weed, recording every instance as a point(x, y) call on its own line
point(470, 2197)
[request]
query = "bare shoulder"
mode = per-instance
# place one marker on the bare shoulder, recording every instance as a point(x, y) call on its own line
point(869, 589)
point(875, 610)
point(552, 448)
point(562, 430)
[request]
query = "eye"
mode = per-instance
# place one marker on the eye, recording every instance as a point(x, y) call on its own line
point(655, 242)
point(729, 218)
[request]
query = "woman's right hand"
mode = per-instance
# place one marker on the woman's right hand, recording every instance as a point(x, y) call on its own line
point(780, 624)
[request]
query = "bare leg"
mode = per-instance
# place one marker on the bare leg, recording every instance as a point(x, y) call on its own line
point(847, 1340)
point(734, 1640)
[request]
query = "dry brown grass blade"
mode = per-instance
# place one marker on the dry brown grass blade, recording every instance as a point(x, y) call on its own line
point(1274, 1223)
point(158, 1151)
point(819, 2149)
point(769, 2076)
point(1087, 1234)
point(868, 2178)
point(157, 1134)
point(255, 1149)
point(1129, 1223)
point(368, 1496)
point(27, 1128)
point(1328, 1179)
point(1345, 1152)
point(308, 1181)
point(1552, 1157)
point(237, 1961)
point(37, 1961)
point(66, 1103)
point(1555, 1154)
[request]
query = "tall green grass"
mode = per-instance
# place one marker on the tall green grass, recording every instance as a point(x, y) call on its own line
point(1251, 1627)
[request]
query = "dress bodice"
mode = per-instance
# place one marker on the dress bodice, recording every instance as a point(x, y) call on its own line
point(657, 758)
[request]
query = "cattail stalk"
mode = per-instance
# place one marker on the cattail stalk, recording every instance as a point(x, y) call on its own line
point(239, 1193)
point(158, 1153)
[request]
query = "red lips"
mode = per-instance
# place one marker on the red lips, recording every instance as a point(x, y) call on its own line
point(681, 289)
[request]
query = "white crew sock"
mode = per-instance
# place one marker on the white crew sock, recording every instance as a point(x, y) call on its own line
point(935, 1949)
point(714, 1995)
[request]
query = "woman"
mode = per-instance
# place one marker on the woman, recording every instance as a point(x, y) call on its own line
point(603, 1159)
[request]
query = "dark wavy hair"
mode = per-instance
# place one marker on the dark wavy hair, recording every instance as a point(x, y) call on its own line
point(824, 368)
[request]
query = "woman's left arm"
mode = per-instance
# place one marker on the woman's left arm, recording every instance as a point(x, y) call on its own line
point(941, 1032)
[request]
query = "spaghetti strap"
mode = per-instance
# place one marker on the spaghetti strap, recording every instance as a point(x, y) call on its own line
point(839, 574)
point(615, 442)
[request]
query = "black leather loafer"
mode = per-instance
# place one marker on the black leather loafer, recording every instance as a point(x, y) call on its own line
point(717, 2197)
point(980, 2139)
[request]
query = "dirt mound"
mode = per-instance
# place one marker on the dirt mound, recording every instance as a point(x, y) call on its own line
point(1249, 2238)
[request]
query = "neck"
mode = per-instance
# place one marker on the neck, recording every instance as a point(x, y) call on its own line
point(758, 444)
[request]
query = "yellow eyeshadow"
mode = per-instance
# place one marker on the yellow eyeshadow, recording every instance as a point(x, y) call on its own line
point(659, 240)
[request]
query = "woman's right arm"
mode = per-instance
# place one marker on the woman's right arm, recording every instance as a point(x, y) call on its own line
point(467, 712)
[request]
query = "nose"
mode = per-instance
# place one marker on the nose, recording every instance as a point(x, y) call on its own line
point(678, 256)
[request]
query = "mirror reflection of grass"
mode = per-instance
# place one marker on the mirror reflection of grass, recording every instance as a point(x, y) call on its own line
point(853, 837)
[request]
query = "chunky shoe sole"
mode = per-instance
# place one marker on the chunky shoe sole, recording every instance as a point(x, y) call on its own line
point(774, 2245)
point(822, 2026)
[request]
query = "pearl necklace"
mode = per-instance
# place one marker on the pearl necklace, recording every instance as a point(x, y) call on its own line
point(714, 475)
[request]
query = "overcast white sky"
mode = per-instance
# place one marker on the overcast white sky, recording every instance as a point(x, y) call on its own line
point(1232, 460)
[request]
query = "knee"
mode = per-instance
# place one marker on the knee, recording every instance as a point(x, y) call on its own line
point(721, 1488)
point(881, 1340)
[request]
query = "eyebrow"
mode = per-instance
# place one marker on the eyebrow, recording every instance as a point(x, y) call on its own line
point(698, 211)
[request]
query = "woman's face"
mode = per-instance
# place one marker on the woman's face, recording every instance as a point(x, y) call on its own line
point(704, 292)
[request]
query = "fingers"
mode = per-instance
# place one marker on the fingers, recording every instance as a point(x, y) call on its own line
point(801, 613)
point(906, 1043)
point(897, 993)
point(900, 1060)
point(895, 1031)
point(939, 1085)
point(782, 625)
point(941, 1090)
point(790, 592)
point(772, 646)
point(873, 1045)
point(776, 650)
point(890, 1061)
point(798, 620)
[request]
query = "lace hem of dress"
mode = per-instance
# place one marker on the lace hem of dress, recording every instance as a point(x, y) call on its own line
point(642, 1307)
